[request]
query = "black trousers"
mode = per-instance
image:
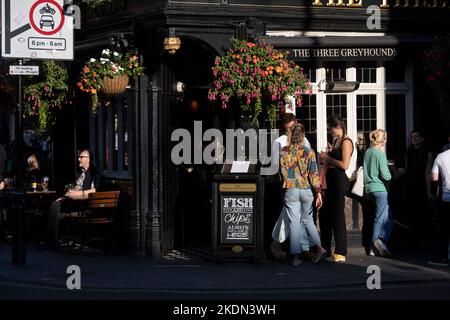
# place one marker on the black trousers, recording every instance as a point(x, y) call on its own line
point(61, 209)
point(331, 215)
point(441, 228)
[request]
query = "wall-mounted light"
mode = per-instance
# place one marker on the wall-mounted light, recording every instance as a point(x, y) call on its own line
point(172, 43)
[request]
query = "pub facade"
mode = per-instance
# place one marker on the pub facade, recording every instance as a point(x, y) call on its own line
point(378, 44)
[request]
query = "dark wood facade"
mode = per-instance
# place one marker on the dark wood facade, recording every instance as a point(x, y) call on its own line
point(205, 28)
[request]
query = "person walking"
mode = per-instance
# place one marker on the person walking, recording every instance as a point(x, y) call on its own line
point(281, 229)
point(376, 174)
point(300, 176)
point(440, 172)
point(332, 216)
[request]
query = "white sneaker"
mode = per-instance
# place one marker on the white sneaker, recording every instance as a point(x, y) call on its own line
point(296, 262)
point(320, 256)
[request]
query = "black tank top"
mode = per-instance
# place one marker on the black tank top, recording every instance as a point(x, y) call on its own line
point(336, 153)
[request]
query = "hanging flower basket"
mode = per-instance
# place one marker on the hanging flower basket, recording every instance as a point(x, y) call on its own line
point(115, 85)
point(110, 75)
point(259, 77)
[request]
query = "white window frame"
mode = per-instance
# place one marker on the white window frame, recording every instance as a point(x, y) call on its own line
point(379, 88)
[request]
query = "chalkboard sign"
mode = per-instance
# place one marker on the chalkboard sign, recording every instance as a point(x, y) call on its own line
point(237, 212)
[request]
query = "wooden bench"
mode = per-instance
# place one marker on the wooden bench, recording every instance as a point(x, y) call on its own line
point(102, 210)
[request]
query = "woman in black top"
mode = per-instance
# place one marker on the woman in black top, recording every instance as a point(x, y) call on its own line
point(332, 216)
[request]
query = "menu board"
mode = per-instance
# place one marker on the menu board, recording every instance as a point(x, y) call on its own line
point(237, 213)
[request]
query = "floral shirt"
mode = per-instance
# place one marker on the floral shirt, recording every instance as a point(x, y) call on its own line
point(299, 168)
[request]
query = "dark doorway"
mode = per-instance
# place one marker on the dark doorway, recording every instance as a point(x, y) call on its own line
point(187, 220)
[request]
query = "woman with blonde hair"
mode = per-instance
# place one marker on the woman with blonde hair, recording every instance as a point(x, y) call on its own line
point(376, 173)
point(300, 176)
point(34, 172)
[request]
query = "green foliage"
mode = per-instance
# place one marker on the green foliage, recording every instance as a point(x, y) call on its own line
point(46, 93)
point(259, 76)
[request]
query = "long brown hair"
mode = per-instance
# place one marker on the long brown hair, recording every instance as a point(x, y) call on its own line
point(335, 121)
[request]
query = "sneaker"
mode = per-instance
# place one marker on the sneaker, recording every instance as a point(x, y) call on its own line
point(296, 262)
point(438, 263)
point(382, 248)
point(277, 251)
point(337, 257)
point(320, 256)
point(372, 253)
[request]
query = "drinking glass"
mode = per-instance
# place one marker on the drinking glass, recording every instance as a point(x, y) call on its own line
point(45, 183)
point(34, 185)
point(9, 183)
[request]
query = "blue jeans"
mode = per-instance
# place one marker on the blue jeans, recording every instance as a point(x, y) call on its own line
point(302, 230)
point(384, 221)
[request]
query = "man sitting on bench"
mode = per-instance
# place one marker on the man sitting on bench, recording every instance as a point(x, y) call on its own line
point(75, 199)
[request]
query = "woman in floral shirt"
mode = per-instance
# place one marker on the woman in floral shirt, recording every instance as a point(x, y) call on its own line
point(300, 175)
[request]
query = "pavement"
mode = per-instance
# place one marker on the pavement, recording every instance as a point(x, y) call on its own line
point(193, 275)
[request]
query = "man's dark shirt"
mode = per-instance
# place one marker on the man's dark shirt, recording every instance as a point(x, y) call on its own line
point(92, 178)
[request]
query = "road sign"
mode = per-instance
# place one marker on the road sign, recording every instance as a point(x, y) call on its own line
point(24, 70)
point(36, 29)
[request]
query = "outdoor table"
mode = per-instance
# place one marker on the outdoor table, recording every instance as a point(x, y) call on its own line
point(16, 200)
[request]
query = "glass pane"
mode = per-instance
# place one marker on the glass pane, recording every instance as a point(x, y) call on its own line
point(366, 110)
point(116, 139)
point(306, 114)
point(366, 72)
point(335, 71)
point(125, 134)
point(336, 104)
point(105, 140)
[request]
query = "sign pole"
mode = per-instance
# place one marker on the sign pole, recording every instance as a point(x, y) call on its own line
point(18, 240)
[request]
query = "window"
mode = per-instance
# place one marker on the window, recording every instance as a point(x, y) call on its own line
point(112, 144)
point(336, 104)
point(366, 72)
point(307, 115)
point(335, 71)
point(366, 121)
point(310, 71)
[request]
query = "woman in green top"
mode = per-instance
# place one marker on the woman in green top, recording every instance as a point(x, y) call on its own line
point(375, 172)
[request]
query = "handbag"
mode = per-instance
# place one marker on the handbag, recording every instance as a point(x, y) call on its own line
point(358, 187)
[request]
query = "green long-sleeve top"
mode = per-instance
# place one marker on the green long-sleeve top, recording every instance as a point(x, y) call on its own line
point(375, 167)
